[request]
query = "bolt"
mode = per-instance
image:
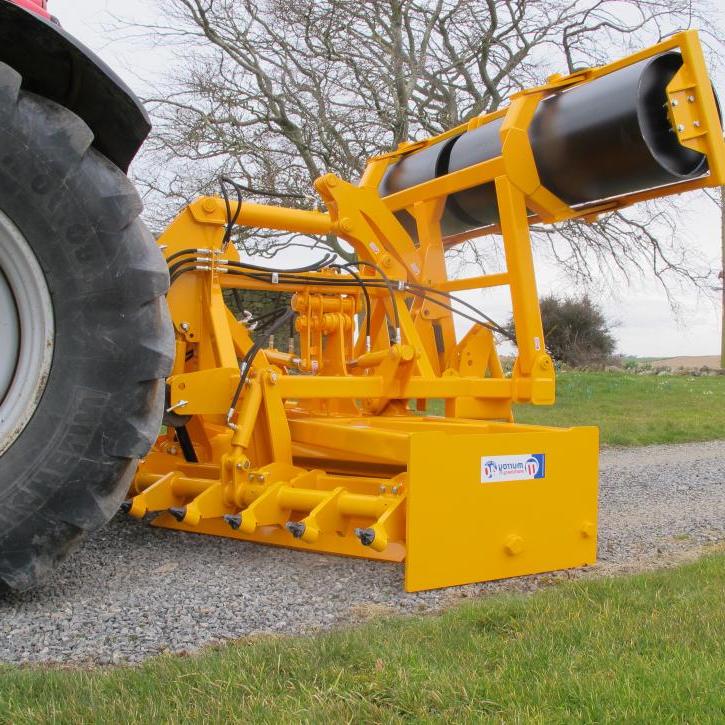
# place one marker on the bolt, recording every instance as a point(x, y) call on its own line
point(696, 124)
point(382, 489)
point(172, 451)
point(675, 103)
point(366, 536)
point(234, 520)
point(513, 545)
point(395, 489)
point(178, 513)
point(680, 128)
point(273, 378)
point(185, 326)
point(296, 528)
point(691, 99)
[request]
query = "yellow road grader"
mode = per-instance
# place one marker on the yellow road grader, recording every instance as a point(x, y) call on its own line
point(324, 442)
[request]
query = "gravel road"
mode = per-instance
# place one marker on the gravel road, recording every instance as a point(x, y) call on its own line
point(134, 591)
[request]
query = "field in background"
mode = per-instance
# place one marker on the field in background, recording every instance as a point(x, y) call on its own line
point(634, 410)
point(687, 362)
point(647, 648)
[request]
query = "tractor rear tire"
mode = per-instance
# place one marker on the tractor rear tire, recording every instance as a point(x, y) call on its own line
point(86, 355)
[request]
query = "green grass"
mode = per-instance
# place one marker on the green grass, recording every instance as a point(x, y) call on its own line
point(647, 648)
point(634, 410)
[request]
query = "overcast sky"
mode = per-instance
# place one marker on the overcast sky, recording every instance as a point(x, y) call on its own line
point(646, 324)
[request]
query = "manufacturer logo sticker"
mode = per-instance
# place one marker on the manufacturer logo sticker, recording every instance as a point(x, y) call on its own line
point(524, 467)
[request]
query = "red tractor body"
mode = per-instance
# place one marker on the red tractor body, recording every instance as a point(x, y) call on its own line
point(35, 6)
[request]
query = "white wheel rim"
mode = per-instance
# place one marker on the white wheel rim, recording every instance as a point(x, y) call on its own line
point(27, 333)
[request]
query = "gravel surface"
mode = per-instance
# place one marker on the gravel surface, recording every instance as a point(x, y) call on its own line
point(134, 591)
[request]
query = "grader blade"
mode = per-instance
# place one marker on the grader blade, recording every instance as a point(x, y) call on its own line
point(329, 444)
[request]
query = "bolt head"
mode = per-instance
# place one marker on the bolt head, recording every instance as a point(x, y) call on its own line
point(675, 103)
point(185, 326)
point(680, 128)
point(513, 545)
point(691, 99)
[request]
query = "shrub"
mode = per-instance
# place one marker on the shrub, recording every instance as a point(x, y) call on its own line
point(575, 330)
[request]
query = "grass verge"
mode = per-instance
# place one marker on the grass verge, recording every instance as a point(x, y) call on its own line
point(645, 648)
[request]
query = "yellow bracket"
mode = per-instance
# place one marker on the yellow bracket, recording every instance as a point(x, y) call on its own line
point(390, 526)
point(264, 511)
point(160, 496)
point(324, 518)
point(205, 392)
point(210, 504)
point(693, 109)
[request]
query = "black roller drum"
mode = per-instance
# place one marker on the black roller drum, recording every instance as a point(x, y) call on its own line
point(594, 141)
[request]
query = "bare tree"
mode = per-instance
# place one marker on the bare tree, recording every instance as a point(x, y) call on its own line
point(278, 92)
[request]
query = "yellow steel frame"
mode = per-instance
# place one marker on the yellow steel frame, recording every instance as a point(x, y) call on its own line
point(324, 451)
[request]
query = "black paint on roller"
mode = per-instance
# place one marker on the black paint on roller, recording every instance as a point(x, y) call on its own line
point(594, 141)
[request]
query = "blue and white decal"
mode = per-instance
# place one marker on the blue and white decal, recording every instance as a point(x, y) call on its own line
point(524, 467)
